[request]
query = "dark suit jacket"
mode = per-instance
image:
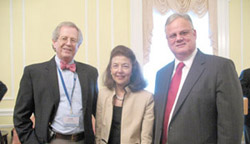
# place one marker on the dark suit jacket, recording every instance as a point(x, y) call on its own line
point(210, 106)
point(39, 94)
point(3, 90)
point(245, 83)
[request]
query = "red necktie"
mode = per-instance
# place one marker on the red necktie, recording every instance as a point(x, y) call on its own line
point(71, 67)
point(172, 92)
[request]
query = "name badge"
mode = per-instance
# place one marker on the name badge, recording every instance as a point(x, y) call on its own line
point(71, 121)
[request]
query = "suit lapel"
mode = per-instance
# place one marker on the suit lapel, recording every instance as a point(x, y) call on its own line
point(53, 85)
point(166, 83)
point(83, 79)
point(162, 89)
point(193, 76)
point(52, 82)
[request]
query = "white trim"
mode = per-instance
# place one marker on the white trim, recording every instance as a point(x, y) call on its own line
point(12, 76)
point(136, 29)
point(23, 33)
point(223, 27)
point(86, 31)
point(112, 24)
point(242, 36)
point(10, 98)
point(6, 112)
point(2, 126)
point(98, 34)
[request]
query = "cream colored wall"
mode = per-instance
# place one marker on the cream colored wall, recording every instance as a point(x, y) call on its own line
point(25, 37)
point(239, 11)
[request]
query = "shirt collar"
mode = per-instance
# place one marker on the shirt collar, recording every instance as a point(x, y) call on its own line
point(188, 62)
point(58, 61)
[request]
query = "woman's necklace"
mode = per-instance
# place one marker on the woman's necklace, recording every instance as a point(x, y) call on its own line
point(119, 98)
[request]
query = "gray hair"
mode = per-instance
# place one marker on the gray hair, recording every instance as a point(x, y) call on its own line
point(174, 16)
point(56, 32)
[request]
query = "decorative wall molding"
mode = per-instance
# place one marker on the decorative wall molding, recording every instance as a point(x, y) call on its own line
point(223, 27)
point(12, 89)
point(136, 29)
point(6, 126)
point(23, 33)
point(11, 96)
point(6, 112)
point(98, 33)
point(112, 25)
point(242, 35)
point(86, 31)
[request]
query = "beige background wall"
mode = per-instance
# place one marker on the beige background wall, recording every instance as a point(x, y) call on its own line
point(239, 11)
point(26, 27)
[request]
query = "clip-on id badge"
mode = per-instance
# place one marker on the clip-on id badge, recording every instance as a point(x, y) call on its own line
point(71, 121)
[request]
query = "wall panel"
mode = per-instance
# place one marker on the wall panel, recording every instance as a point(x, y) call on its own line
point(246, 34)
point(26, 29)
point(235, 33)
point(121, 22)
point(105, 35)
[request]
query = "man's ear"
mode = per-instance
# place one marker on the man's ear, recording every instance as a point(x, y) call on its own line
point(53, 45)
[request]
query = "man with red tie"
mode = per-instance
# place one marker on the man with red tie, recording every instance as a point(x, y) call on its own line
point(61, 92)
point(198, 98)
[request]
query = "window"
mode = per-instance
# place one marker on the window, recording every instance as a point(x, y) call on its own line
point(160, 54)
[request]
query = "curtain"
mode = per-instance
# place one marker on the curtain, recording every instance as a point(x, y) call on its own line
point(199, 7)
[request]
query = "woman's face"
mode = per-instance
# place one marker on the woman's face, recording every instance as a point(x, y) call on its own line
point(121, 70)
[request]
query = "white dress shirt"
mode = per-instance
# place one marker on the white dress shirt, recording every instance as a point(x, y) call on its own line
point(185, 70)
point(64, 108)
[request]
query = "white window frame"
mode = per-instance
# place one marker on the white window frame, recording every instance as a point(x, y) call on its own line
point(136, 28)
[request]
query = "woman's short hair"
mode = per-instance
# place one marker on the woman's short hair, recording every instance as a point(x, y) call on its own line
point(137, 81)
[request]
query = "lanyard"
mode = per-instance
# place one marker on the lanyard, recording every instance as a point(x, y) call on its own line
point(65, 89)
